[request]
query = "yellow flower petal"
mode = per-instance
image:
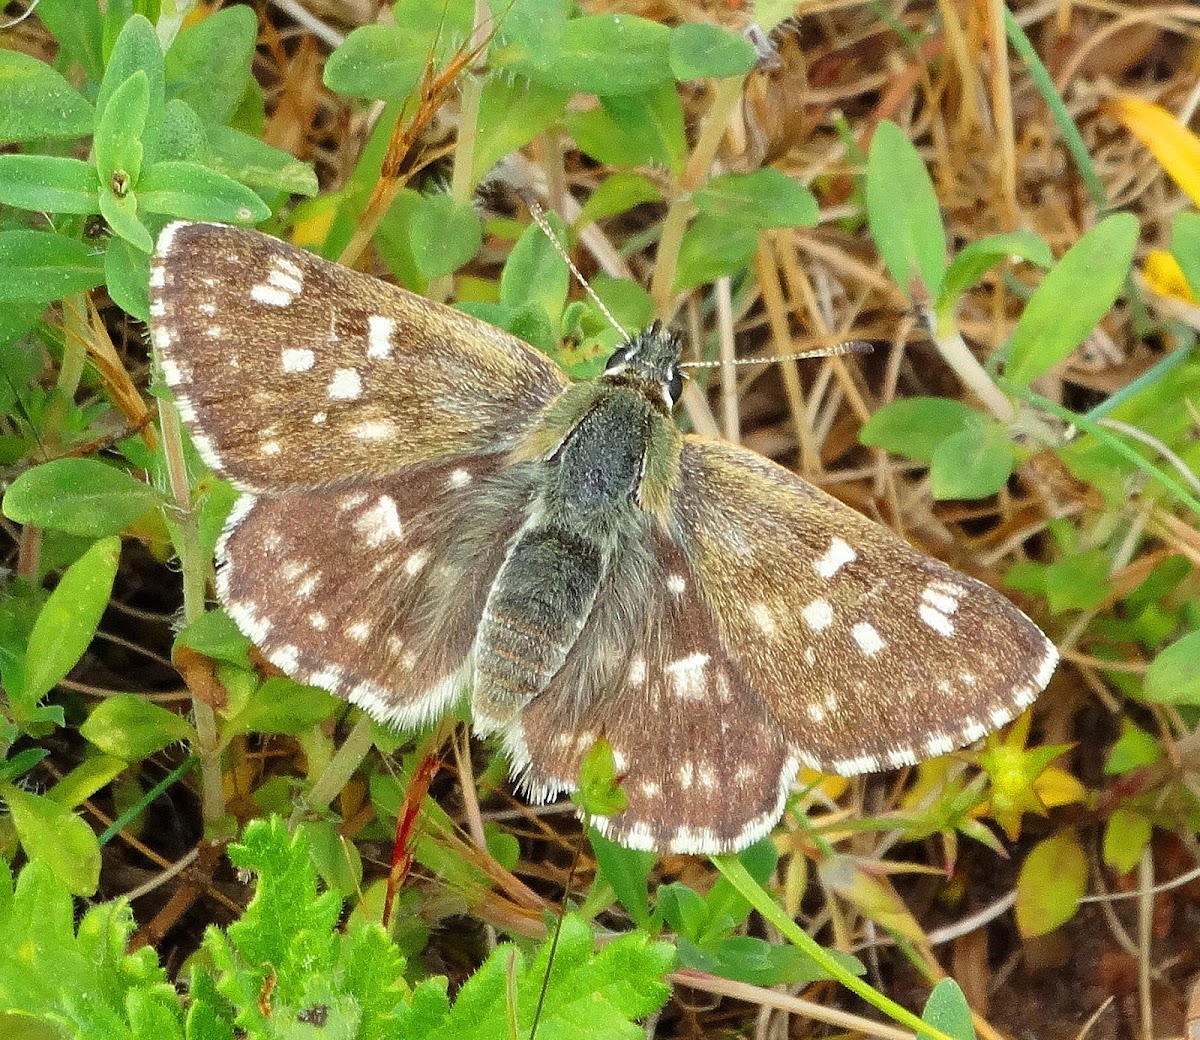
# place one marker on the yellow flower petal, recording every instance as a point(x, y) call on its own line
point(1165, 276)
point(1175, 147)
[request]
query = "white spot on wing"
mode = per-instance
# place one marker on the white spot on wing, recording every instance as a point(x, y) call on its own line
point(836, 557)
point(359, 632)
point(637, 671)
point(416, 563)
point(374, 430)
point(297, 359)
point(318, 621)
point(460, 478)
point(818, 614)
point(764, 619)
point(380, 523)
point(346, 385)
point(867, 636)
point(379, 336)
point(687, 677)
point(271, 295)
point(676, 584)
point(936, 620)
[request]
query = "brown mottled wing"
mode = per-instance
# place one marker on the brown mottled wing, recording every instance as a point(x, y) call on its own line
point(869, 654)
point(704, 765)
point(374, 591)
point(293, 372)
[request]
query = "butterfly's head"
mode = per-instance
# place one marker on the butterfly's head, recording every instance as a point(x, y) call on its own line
point(651, 362)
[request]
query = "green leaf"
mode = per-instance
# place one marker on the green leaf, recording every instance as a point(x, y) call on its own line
point(210, 60)
point(699, 50)
point(194, 192)
point(214, 635)
point(1076, 293)
point(947, 1009)
point(915, 426)
point(634, 130)
point(68, 621)
point(127, 274)
point(599, 792)
point(1185, 247)
point(1078, 581)
point(250, 161)
point(512, 112)
point(38, 102)
point(119, 129)
point(183, 136)
point(444, 235)
point(628, 872)
point(903, 214)
point(1133, 748)
point(84, 497)
point(48, 183)
point(536, 274)
point(55, 837)
point(136, 49)
point(618, 193)
point(122, 217)
point(77, 28)
point(973, 463)
point(711, 249)
point(1174, 675)
point(40, 266)
point(1126, 836)
point(762, 199)
point(977, 258)
point(283, 706)
point(603, 54)
point(1052, 880)
point(129, 727)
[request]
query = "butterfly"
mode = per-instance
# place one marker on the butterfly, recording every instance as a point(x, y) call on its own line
point(430, 508)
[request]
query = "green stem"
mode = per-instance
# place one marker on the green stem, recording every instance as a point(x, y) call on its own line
point(738, 876)
point(341, 768)
point(966, 366)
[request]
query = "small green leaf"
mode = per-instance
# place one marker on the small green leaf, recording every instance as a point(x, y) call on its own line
point(127, 274)
point(1077, 581)
point(128, 727)
point(183, 136)
point(377, 61)
point(1126, 836)
point(194, 192)
point(48, 183)
point(1134, 748)
point(137, 49)
point(947, 1009)
point(1052, 880)
point(699, 50)
point(915, 426)
point(973, 463)
point(1076, 293)
point(618, 193)
point(66, 624)
point(512, 112)
point(121, 213)
point(77, 28)
point(118, 142)
point(444, 235)
point(250, 161)
point(40, 266)
point(762, 199)
point(711, 249)
point(1174, 675)
point(536, 273)
point(283, 706)
point(599, 792)
point(628, 872)
point(604, 54)
point(215, 635)
point(634, 130)
point(84, 497)
point(903, 213)
point(211, 60)
point(55, 837)
point(38, 102)
point(977, 258)
point(1185, 247)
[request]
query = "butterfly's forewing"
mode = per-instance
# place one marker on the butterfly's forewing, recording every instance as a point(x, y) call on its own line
point(704, 766)
point(293, 372)
point(373, 591)
point(870, 654)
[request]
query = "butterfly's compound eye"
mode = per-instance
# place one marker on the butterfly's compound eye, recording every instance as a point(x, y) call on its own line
point(618, 361)
point(674, 387)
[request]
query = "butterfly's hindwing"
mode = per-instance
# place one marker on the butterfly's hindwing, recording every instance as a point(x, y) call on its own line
point(293, 372)
point(870, 654)
point(374, 591)
point(703, 764)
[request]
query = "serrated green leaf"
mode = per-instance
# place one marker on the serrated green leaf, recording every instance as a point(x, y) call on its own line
point(1052, 880)
point(209, 62)
point(83, 497)
point(1174, 675)
point(54, 836)
point(973, 463)
point(1077, 292)
point(38, 102)
point(915, 426)
point(68, 620)
point(48, 183)
point(117, 143)
point(194, 192)
point(444, 235)
point(129, 727)
point(903, 213)
point(762, 199)
point(947, 1009)
point(699, 50)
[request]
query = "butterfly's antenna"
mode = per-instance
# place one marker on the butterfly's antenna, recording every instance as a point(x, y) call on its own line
point(539, 218)
point(21, 17)
point(853, 346)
